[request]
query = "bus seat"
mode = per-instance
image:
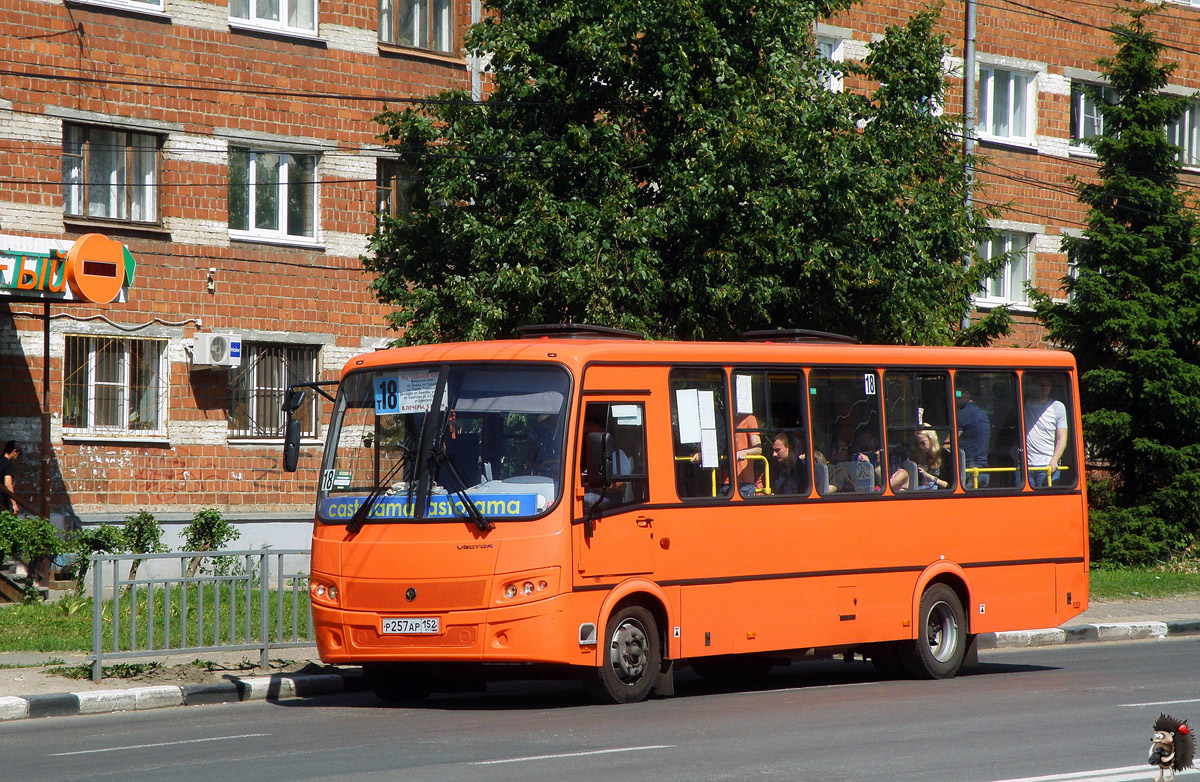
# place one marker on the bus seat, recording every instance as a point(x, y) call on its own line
point(909, 466)
point(860, 474)
point(821, 477)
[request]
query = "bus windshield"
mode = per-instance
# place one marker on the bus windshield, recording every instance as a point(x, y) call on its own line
point(416, 443)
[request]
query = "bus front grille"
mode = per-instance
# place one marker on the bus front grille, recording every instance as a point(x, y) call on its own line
point(363, 595)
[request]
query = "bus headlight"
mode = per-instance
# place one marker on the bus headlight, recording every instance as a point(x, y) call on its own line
point(324, 592)
point(518, 587)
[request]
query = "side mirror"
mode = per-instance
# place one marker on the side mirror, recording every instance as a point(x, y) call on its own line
point(291, 443)
point(292, 399)
point(598, 446)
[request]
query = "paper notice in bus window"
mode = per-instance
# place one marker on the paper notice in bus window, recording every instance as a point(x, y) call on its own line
point(627, 415)
point(688, 402)
point(745, 400)
point(708, 410)
point(405, 392)
point(708, 449)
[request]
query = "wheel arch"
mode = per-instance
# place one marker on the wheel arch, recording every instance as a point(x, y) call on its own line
point(953, 576)
point(649, 595)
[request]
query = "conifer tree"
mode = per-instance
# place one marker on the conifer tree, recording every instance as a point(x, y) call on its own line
point(1132, 318)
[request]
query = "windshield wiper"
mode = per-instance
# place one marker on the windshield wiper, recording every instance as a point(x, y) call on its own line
point(361, 512)
point(443, 458)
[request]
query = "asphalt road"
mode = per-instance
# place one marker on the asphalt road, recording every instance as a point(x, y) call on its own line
point(1052, 714)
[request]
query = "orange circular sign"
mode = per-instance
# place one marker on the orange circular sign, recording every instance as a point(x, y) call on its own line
point(96, 268)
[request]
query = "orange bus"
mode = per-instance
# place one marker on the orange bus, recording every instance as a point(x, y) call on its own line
point(608, 506)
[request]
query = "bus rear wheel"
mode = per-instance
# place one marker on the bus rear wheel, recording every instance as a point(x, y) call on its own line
point(941, 644)
point(630, 659)
point(397, 682)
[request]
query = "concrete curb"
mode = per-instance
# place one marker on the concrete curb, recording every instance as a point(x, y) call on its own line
point(1074, 634)
point(251, 688)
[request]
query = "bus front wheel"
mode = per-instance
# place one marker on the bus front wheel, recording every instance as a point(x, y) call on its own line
point(630, 659)
point(941, 644)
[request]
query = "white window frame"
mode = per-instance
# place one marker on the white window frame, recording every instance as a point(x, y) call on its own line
point(258, 389)
point(1084, 107)
point(279, 234)
point(1184, 133)
point(130, 185)
point(123, 386)
point(1009, 128)
point(433, 19)
point(833, 50)
point(258, 15)
point(999, 290)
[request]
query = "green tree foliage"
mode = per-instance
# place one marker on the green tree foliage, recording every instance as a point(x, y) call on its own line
point(104, 538)
point(143, 535)
point(209, 531)
point(1133, 318)
point(679, 168)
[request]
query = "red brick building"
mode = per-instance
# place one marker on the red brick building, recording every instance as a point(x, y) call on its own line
point(229, 145)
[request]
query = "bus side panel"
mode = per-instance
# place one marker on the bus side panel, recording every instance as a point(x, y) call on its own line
point(1072, 590)
point(1012, 597)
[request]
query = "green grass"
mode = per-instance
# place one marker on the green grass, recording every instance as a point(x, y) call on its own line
point(1142, 584)
point(67, 626)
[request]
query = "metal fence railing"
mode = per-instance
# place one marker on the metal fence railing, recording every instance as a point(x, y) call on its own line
point(220, 601)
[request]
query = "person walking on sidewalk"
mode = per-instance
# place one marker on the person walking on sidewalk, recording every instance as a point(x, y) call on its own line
point(8, 473)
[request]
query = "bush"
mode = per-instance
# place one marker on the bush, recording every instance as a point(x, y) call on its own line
point(142, 535)
point(10, 534)
point(105, 539)
point(209, 531)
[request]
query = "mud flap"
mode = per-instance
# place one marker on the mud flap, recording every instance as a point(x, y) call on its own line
point(972, 657)
point(664, 683)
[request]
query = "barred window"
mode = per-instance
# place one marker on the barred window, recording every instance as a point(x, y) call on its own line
point(256, 389)
point(114, 385)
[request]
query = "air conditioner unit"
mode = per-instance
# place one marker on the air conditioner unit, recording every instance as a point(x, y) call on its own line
point(217, 350)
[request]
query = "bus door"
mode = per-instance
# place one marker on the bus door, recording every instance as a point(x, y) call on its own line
point(613, 531)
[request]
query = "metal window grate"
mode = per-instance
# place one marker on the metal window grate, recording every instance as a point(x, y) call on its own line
point(256, 390)
point(113, 385)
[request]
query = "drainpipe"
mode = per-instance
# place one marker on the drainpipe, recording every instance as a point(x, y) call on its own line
point(969, 114)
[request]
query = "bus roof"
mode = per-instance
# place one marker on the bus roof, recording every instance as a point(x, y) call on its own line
point(580, 352)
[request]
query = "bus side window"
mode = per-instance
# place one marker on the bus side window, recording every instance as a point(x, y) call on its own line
point(700, 429)
point(1049, 441)
point(920, 431)
point(625, 423)
point(769, 405)
point(844, 416)
point(987, 419)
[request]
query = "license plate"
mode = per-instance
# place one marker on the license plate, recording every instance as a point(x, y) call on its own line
point(406, 625)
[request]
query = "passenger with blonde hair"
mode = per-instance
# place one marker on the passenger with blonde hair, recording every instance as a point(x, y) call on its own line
point(935, 468)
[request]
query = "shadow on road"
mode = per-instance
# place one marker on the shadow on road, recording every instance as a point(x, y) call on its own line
point(538, 694)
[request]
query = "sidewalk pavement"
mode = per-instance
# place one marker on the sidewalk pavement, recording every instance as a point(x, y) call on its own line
point(30, 688)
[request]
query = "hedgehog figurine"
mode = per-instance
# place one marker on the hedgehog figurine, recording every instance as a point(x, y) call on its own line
point(1173, 747)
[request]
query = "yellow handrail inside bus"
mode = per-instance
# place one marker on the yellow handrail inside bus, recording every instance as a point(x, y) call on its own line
point(766, 489)
point(973, 472)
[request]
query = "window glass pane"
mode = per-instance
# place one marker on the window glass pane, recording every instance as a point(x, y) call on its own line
point(770, 440)
point(106, 174)
point(108, 383)
point(1048, 448)
point(266, 190)
point(239, 9)
point(75, 383)
point(72, 170)
point(256, 389)
point(300, 14)
point(1018, 269)
point(1020, 99)
point(408, 22)
point(625, 424)
point(239, 189)
point(987, 419)
point(385, 21)
point(1001, 99)
point(143, 384)
point(267, 10)
point(143, 192)
point(920, 440)
point(302, 172)
point(701, 432)
point(844, 416)
point(442, 25)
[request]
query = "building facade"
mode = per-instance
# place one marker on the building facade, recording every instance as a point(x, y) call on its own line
point(230, 147)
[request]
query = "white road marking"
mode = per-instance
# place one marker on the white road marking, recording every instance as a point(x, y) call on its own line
point(160, 744)
point(1161, 703)
point(1140, 773)
point(569, 755)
